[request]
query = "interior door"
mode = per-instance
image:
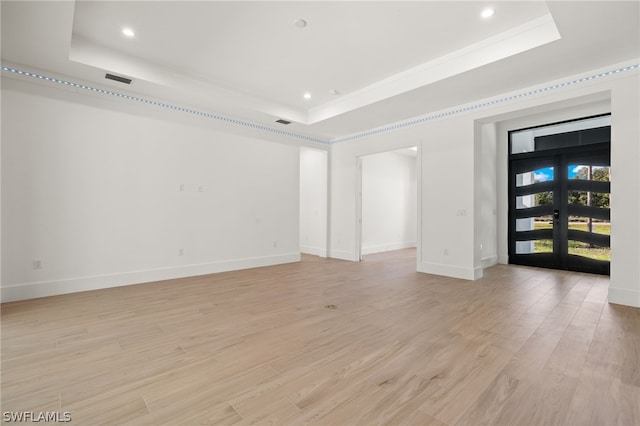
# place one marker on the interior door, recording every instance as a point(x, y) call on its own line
point(559, 208)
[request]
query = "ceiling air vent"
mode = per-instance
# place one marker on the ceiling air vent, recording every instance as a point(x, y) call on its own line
point(118, 78)
point(281, 121)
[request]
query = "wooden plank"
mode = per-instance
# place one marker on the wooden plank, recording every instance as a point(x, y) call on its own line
point(520, 346)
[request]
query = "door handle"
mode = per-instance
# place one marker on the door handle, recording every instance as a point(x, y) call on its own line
point(556, 214)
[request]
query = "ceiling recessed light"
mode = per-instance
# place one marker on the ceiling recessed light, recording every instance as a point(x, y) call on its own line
point(307, 96)
point(299, 23)
point(488, 13)
point(128, 32)
point(333, 92)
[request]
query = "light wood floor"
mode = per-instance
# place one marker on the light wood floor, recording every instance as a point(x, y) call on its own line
point(521, 346)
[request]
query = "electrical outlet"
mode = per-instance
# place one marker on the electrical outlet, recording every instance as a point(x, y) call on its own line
point(275, 244)
point(181, 187)
point(181, 252)
point(445, 252)
point(37, 264)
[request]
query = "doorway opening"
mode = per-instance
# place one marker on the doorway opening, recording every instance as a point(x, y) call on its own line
point(387, 204)
point(559, 195)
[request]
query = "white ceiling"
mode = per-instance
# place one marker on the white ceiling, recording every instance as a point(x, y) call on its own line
point(389, 61)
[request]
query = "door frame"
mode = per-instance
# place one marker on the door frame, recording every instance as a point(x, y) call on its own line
point(560, 210)
point(358, 200)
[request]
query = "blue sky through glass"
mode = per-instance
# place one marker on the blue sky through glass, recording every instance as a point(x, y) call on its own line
point(546, 174)
point(573, 171)
point(543, 175)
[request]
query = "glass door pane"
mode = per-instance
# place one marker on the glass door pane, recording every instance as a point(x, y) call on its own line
point(533, 186)
point(589, 203)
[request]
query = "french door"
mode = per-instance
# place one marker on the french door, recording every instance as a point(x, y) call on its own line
point(559, 203)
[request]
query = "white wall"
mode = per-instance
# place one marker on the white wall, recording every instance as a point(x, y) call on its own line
point(445, 198)
point(625, 195)
point(457, 173)
point(104, 195)
point(389, 202)
point(91, 188)
point(313, 201)
point(448, 200)
point(487, 196)
point(343, 187)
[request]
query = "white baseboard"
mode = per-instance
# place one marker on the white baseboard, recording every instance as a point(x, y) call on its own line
point(387, 247)
point(316, 251)
point(621, 296)
point(450, 271)
point(343, 255)
point(74, 285)
point(503, 259)
point(489, 261)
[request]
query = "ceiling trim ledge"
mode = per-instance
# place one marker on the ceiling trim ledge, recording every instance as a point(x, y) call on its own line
point(516, 40)
point(172, 107)
point(485, 103)
point(560, 84)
